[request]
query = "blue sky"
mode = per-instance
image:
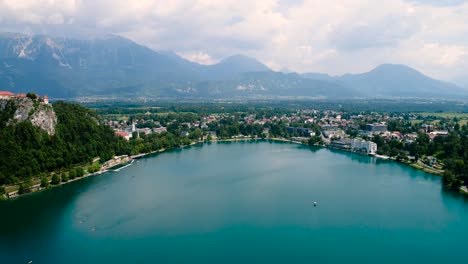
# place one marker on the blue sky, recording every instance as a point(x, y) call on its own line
point(330, 36)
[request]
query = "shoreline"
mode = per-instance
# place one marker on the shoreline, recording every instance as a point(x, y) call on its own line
point(37, 188)
point(130, 159)
point(418, 165)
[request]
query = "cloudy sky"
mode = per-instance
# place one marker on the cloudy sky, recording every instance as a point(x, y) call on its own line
point(332, 36)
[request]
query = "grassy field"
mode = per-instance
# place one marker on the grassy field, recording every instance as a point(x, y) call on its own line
point(11, 188)
point(428, 170)
point(125, 117)
point(414, 122)
point(463, 117)
point(434, 122)
point(445, 115)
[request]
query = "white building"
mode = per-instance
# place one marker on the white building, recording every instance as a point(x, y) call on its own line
point(362, 145)
point(159, 129)
point(336, 133)
point(145, 130)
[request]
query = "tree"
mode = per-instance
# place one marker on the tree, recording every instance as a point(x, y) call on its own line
point(394, 152)
point(79, 172)
point(94, 168)
point(72, 174)
point(315, 140)
point(31, 95)
point(90, 169)
point(97, 166)
point(64, 177)
point(55, 179)
point(450, 180)
point(196, 134)
point(378, 140)
point(44, 182)
point(21, 189)
point(352, 133)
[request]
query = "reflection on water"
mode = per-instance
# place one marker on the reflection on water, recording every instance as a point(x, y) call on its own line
point(38, 208)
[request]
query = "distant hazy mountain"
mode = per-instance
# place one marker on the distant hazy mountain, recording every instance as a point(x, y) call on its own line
point(462, 82)
point(318, 76)
point(400, 81)
point(115, 66)
point(273, 84)
point(231, 67)
point(394, 80)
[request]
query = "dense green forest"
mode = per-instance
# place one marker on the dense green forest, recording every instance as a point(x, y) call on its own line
point(28, 151)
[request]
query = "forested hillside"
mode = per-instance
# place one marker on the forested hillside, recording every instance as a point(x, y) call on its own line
point(27, 150)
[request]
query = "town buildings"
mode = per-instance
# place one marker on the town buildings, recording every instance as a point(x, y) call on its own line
point(9, 95)
point(6, 95)
point(356, 145)
point(300, 131)
point(361, 145)
point(123, 134)
point(376, 128)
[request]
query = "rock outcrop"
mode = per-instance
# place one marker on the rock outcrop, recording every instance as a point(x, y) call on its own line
point(39, 114)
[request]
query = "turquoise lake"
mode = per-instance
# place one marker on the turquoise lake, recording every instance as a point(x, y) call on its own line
point(242, 202)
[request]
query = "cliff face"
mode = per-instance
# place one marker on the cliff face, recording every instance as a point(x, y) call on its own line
point(26, 109)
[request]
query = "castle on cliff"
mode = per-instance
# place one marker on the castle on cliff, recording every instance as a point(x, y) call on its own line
point(9, 95)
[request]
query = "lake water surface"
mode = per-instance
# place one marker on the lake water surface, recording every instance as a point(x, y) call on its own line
point(242, 202)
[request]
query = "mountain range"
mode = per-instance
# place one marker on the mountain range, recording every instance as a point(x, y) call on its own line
point(461, 81)
point(115, 66)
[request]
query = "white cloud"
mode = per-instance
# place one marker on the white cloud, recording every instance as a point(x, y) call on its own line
point(333, 36)
point(55, 19)
point(447, 56)
point(198, 56)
